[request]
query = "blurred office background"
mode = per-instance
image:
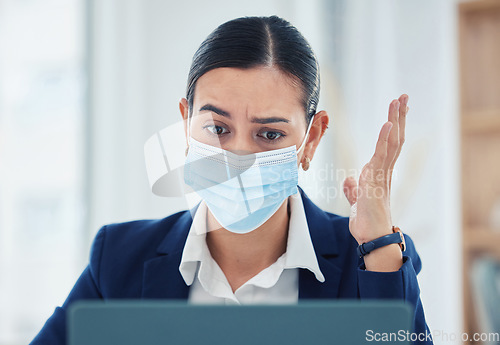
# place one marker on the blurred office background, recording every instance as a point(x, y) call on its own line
point(83, 84)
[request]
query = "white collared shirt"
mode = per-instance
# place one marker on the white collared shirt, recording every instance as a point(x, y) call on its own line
point(276, 284)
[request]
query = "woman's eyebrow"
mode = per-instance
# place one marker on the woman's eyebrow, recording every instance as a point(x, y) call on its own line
point(260, 120)
point(209, 107)
point(265, 120)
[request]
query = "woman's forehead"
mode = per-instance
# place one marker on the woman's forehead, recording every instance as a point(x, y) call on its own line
point(259, 91)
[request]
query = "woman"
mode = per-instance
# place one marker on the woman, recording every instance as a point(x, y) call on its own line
point(250, 110)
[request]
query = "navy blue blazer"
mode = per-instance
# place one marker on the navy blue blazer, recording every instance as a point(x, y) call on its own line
point(140, 260)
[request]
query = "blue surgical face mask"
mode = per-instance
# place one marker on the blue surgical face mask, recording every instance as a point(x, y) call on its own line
point(242, 191)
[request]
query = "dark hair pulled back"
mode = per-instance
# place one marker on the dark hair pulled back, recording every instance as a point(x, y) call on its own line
point(259, 41)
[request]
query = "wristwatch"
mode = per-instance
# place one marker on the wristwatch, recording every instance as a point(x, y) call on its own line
point(396, 237)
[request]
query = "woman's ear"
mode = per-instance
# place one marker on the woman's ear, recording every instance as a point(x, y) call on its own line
point(184, 109)
point(318, 128)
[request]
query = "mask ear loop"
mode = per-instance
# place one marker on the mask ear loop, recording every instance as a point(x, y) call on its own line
point(305, 137)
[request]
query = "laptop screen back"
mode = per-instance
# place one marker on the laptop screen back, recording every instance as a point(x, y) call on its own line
point(164, 322)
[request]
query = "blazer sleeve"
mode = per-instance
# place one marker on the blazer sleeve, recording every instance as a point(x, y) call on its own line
point(86, 287)
point(401, 284)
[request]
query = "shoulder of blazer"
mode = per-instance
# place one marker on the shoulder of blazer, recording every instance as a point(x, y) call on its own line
point(121, 253)
point(329, 231)
point(147, 238)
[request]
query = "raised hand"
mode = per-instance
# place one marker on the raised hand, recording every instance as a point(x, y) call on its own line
point(370, 197)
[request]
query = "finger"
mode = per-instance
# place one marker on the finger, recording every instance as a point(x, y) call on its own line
point(403, 110)
point(351, 190)
point(379, 157)
point(393, 141)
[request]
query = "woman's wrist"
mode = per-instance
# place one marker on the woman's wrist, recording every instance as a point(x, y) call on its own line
point(384, 259)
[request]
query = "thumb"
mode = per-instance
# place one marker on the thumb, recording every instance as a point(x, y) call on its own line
point(351, 190)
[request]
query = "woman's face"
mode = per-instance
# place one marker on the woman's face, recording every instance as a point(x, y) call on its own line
point(248, 110)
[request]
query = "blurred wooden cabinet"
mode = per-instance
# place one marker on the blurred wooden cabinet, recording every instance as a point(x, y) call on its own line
point(479, 39)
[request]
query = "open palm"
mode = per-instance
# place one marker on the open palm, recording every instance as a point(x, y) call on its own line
point(370, 197)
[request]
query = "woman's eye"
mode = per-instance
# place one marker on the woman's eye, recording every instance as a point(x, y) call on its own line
point(217, 130)
point(270, 135)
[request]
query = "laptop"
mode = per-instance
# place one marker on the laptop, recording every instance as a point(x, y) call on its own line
point(151, 322)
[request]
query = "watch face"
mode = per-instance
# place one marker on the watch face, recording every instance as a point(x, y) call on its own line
point(402, 244)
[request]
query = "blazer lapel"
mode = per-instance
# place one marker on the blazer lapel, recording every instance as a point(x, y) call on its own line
point(162, 278)
point(326, 247)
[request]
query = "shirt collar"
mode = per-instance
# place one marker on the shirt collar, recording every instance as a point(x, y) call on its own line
point(300, 250)
point(299, 253)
